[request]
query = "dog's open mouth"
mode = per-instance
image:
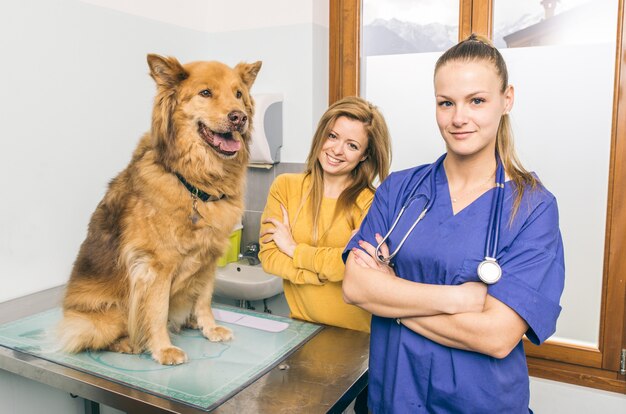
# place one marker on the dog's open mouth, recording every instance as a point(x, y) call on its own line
point(222, 142)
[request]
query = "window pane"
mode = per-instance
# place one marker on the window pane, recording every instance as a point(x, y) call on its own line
point(561, 61)
point(409, 26)
point(402, 39)
point(523, 23)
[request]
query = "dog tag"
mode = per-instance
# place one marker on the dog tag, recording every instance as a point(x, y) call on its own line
point(195, 216)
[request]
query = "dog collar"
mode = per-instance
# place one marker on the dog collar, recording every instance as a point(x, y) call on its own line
point(196, 192)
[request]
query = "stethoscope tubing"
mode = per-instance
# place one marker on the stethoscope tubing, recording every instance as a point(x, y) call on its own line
point(495, 216)
point(412, 197)
point(493, 232)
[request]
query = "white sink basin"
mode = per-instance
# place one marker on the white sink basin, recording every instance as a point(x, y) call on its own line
point(241, 281)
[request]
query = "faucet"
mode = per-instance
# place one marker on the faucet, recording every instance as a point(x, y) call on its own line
point(251, 253)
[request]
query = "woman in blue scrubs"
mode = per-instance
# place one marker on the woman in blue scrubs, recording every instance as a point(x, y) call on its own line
point(441, 340)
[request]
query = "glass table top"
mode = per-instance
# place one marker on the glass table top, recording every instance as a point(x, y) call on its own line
point(215, 372)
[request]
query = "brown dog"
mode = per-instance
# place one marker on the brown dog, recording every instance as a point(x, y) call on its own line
point(153, 242)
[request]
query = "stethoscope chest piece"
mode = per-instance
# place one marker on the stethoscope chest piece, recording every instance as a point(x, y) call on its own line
point(489, 271)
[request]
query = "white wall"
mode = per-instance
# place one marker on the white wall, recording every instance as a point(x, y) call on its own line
point(224, 16)
point(551, 397)
point(19, 395)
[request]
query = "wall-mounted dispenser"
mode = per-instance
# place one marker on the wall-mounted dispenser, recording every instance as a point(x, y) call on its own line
point(267, 136)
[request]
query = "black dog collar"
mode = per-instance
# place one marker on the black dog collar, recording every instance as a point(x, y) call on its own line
point(196, 192)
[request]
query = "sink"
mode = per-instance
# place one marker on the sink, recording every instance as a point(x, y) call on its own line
point(242, 281)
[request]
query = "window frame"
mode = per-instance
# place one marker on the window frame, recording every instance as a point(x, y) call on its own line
point(592, 367)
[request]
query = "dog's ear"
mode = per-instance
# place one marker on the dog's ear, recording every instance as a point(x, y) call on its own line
point(166, 71)
point(248, 72)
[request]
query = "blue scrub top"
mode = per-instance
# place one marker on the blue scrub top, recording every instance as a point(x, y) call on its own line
point(409, 373)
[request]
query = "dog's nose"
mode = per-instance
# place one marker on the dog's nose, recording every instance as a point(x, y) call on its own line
point(237, 118)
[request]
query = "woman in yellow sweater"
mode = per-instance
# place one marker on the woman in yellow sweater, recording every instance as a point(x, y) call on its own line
point(310, 217)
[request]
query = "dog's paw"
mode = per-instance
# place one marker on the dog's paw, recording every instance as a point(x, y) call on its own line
point(123, 346)
point(170, 356)
point(218, 334)
point(191, 323)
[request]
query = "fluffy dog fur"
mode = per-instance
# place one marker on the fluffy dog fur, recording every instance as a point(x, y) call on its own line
point(150, 254)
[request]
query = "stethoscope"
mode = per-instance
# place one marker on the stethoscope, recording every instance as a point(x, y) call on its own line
point(489, 270)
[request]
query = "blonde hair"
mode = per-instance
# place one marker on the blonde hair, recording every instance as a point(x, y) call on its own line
point(375, 165)
point(479, 48)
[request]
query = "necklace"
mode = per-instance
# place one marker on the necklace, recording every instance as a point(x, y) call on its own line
point(472, 190)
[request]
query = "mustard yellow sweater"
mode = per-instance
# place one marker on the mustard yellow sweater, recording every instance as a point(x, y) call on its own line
point(312, 278)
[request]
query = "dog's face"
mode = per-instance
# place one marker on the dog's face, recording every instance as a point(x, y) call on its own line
point(217, 101)
point(203, 111)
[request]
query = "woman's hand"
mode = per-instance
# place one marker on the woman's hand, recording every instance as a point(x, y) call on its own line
point(280, 234)
point(368, 257)
point(471, 297)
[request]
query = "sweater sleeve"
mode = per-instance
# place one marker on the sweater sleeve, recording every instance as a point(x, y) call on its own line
point(326, 262)
point(273, 260)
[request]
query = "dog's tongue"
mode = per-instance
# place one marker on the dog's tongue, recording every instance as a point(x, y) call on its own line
point(226, 143)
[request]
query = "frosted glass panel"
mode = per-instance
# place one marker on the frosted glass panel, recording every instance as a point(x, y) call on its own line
point(409, 26)
point(563, 63)
point(524, 23)
point(393, 27)
point(562, 123)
